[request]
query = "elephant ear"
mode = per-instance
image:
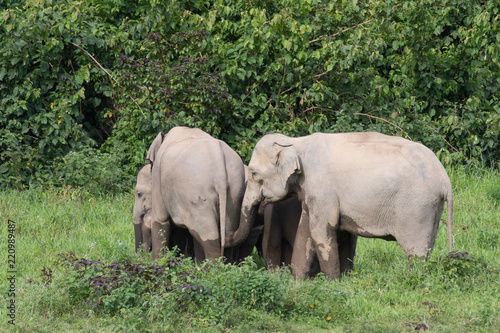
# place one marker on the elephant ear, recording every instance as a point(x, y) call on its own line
point(245, 168)
point(153, 149)
point(287, 162)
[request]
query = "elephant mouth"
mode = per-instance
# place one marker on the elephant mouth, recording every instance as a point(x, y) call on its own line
point(141, 217)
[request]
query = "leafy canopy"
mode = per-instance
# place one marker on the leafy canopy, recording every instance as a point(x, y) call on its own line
point(105, 76)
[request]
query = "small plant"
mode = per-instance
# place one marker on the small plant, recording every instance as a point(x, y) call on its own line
point(120, 285)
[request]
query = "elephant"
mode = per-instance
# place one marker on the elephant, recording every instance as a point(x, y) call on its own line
point(281, 221)
point(142, 218)
point(197, 183)
point(142, 205)
point(366, 183)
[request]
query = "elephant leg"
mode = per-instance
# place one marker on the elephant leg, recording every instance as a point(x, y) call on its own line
point(328, 254)
point(420, 235)
point(286, 253)
point(138, 236)
point(347, 249)
point(146, 236)
point(271, 238)
point(229, 254)
point(160, 236)
point(199, 254)
point(210, 247)
point(179, 239)
point(188, 249)
point(303, 249)
point(324, 234)
point(315, 269)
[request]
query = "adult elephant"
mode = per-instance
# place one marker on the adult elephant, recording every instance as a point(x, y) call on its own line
point(198, 183)
point(142, 218)
point(281, 221)
point(369, 184)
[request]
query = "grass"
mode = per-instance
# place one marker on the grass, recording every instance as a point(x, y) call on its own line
point(383, 294)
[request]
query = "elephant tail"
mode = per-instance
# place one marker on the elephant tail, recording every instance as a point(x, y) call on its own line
point(449, 225)
point(222, 189)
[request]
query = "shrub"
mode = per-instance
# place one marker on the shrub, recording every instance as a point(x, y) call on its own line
point(93, 170)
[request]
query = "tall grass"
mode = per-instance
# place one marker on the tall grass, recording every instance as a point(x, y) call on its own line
point(458, 293)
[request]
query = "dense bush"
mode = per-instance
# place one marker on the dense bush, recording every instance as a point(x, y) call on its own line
point(110, 75)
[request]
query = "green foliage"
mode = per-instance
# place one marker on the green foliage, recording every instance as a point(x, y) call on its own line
point(119, 286)
point(242, 286)
point(51, 92)
point(214, 288)
point(111, 74)
point(162, 85)
point(95, 171)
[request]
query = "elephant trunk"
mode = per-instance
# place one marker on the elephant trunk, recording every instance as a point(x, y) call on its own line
point(138, 236)
point(249, 211)
point(138, 222)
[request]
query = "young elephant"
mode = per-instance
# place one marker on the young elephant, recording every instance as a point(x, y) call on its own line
point(142, 218)
point(281, 221)
point(369, 184)
point(198, 183)
point(142, 205)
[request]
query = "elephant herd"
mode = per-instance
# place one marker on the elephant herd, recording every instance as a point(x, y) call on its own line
point(304, 199)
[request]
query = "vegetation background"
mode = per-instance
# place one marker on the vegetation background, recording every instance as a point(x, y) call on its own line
point(86, 85)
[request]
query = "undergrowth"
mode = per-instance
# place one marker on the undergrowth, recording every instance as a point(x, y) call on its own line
point(77, 272)
point(216, 295)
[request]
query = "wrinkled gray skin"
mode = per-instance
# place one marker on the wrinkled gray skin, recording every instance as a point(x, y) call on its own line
point(369, 184)
point(281, 221)
point(142, 218)
point(198, 184)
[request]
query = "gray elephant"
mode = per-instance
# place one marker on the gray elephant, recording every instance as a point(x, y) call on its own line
point(142, 218)
point(142, 205)
point(281, 221)
point(369, 184)
point(198, 183)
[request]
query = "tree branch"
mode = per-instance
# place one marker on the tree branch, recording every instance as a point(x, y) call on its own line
point(111, 76)
point(387, 121)
point(442, 137)
point(340, 32)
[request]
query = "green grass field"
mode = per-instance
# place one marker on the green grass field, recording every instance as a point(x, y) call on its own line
point(457, 293)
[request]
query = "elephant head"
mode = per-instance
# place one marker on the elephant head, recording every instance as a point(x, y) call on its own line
point(267, 182)
point(143, 203)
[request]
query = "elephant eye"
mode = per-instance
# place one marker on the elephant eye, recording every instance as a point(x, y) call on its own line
point(256, 178)
point(139, 195)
